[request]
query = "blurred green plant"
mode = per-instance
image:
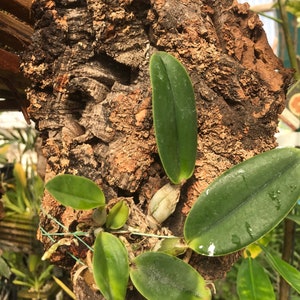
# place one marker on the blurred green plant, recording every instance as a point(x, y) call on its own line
point(23, 192)
point(293, 7)
point(23, 139)
point(22, 271)
point(30, 273)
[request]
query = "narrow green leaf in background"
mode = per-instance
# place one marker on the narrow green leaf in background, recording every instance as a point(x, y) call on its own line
point(290, 274)
point(160, 276)
point(75, 191)
point(46, 274)
point(64, 287)
point(244, 203)
point(252, 281)
point(4, 268)
point(32, 262)
point(110, 266)
point(117, 216)
point(174, 116)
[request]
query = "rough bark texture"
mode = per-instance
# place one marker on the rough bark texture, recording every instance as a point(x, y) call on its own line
point(91, 100)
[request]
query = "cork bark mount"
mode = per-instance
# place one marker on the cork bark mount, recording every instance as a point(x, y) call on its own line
point(91, 99)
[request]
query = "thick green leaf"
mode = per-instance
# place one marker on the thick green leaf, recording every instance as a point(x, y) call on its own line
point(244, 203)
point(252, 281)
point(117, 216)
point(110, 266)
point(174, 115)
point(75, 191)
point(290, 274)
point(161, 276)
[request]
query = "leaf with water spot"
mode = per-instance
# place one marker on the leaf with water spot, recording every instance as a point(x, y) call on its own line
point(244, 203)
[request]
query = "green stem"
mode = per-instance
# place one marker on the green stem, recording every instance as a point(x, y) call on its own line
point(279, 21)
point(288, 38)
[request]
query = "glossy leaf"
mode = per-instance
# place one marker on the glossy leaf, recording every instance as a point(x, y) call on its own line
point(110, 266)
point(174, 116)
point(290, 274)
point(75, 191)
point(244, 203)
point(161, 276)
point(252, 281)
point(117, 216)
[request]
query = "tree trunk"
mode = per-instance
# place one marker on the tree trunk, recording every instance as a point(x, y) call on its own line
point(91, 101)
point(15, 32)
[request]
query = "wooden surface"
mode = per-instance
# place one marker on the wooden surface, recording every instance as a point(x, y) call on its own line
point(15, 31)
